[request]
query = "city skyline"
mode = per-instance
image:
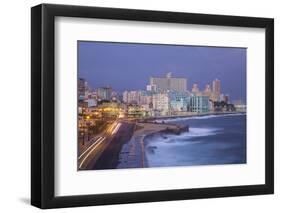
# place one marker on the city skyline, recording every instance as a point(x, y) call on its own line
point(133, 99)
point(96, 58)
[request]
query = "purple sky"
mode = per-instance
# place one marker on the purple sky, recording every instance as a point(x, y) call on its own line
point(128, 66)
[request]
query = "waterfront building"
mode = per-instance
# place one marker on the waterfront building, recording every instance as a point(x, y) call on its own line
point(224, 98)
point(104, 93)
point(160, 103)
point(199, 104)
point(168, 83)
point(179, 101)
point(240, 105)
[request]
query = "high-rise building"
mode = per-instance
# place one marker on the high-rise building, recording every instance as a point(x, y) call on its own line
point(216, 88)
point(169, 83)
point(104, 93)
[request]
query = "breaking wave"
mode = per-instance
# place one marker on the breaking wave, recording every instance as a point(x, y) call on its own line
point(195, 117)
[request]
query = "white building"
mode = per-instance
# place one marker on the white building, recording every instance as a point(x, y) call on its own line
point(151, 88)
point(160, 102)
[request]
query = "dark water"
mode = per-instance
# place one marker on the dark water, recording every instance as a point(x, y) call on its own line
point(212, 140)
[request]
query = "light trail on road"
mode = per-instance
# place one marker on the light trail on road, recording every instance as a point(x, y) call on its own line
point(109, 130)
point(92, 153)
point(96, 145)
point(116, 128)
point(89, 148)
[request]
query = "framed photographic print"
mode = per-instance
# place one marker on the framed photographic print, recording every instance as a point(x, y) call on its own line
point(139, 106)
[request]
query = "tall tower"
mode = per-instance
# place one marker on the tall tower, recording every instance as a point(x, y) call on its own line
point(216, 88)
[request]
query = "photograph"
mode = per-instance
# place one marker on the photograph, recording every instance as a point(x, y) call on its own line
point(143, 105)
point(136, 105)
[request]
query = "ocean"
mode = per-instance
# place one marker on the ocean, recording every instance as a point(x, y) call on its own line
point(211, 140)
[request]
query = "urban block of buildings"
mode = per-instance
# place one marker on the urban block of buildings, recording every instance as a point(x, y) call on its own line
point(163, 96)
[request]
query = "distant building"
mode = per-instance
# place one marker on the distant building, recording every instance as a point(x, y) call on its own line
point(81, 88)
point(109, 109)
point(195, 89)
point(224, 98)
point(115, 96)
point(240, 105)
point(216, 89)
point(199, 104)
point(131, 97)
point(179, 101)
point(207, 91)
point(160, 102)
point(104, 93)
point(125, 96)
point(151, 88)
point(145, 98)
point(88, 91)
point(136, 111)
point(91, 102)
point(168, 83)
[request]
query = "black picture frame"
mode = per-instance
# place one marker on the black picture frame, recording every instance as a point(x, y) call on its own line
point(43, 102)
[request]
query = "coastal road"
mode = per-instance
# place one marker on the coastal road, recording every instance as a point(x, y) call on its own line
point(104, 151)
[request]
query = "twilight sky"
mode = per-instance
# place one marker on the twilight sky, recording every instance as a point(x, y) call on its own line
point(128, 66)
